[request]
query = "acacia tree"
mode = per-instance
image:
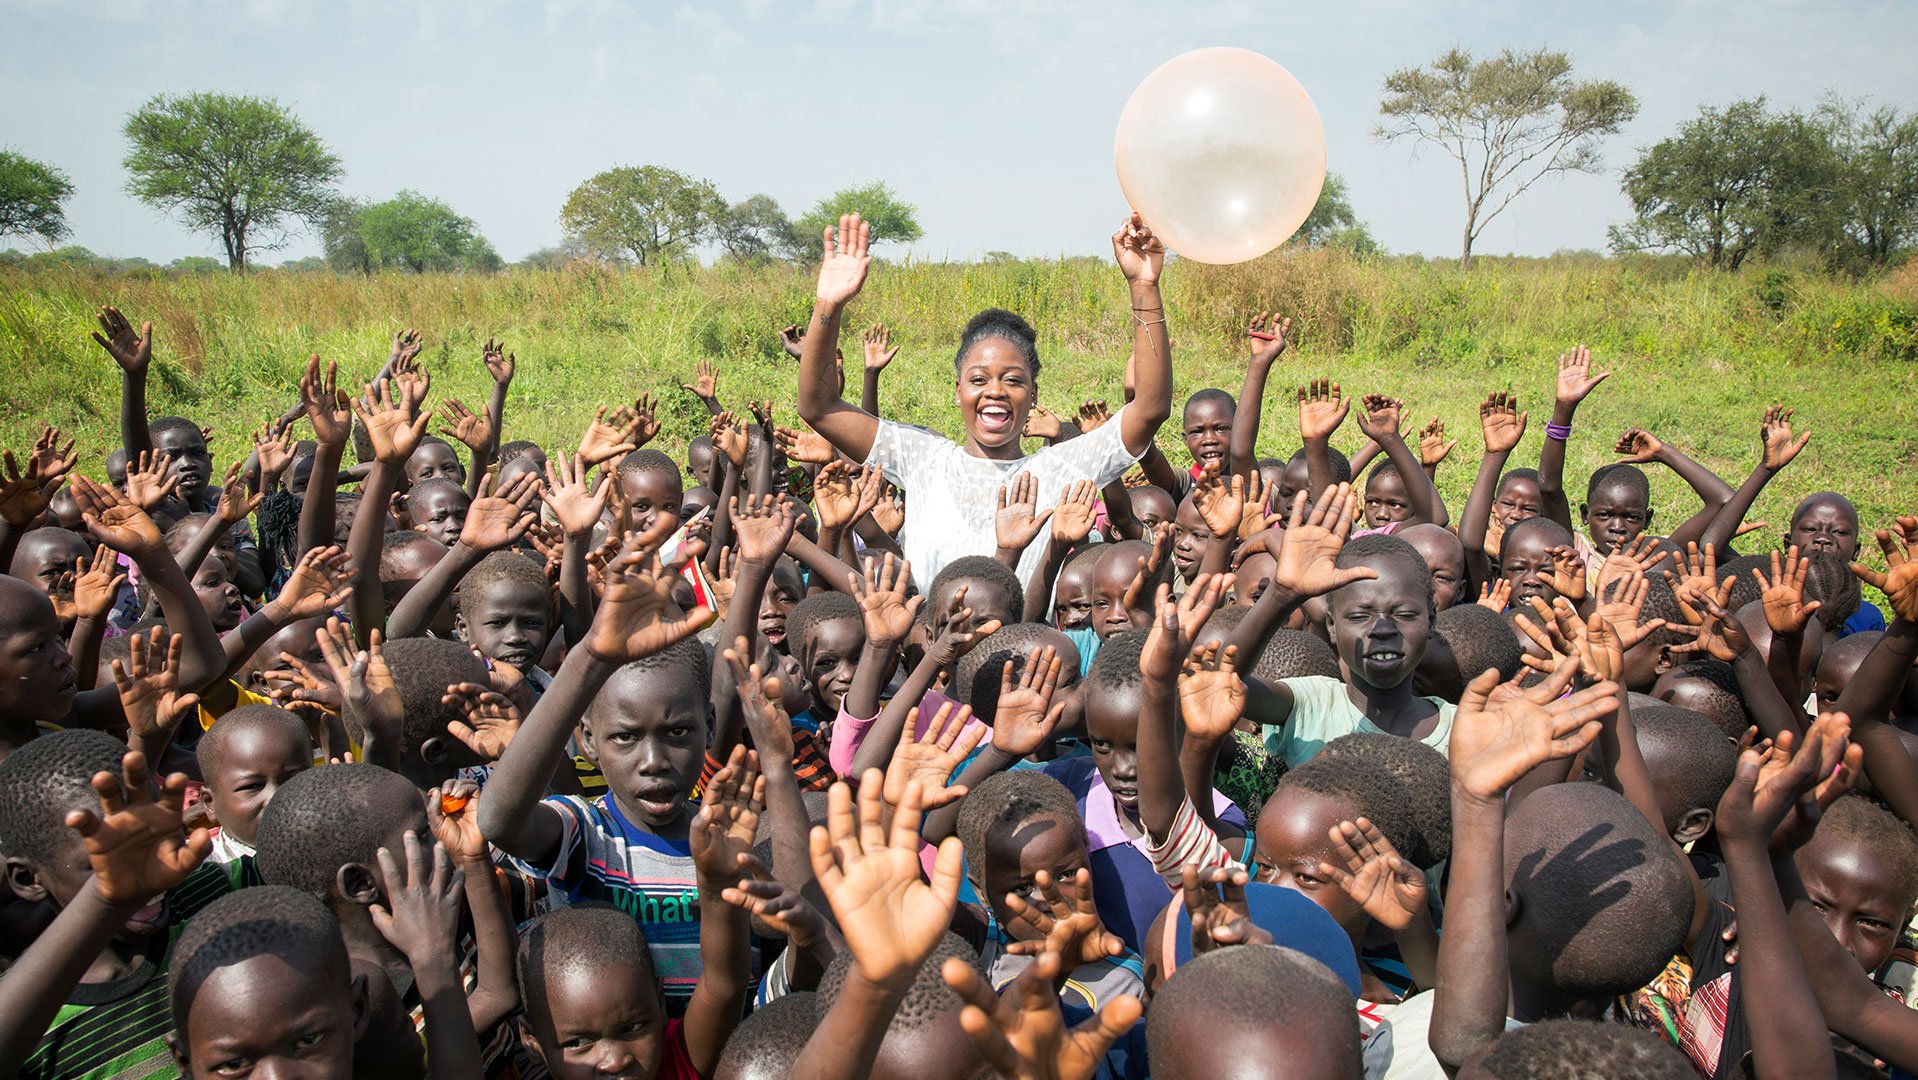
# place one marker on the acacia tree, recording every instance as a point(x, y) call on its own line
point(412, 232)
point(756, 229)
point(1509, 122)
point(645, 211)
point(238, 167)
point(891, 218)
point(1733, 183)
point(1878, 153)
point(31, 194)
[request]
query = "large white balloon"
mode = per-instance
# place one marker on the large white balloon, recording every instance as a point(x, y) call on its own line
point(1222, 152)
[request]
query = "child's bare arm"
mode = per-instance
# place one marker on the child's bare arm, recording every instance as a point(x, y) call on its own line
point(1379, 417)
point(888, 618)
point(134, 353)
point(1322, 409)
point(1268, 336)
point(1868, 698)
point(320, 582)
point(879, 352)
point(720, 835)
point(1022, 723)
point(1641, 447)
point(1492, 748)
point(1212, 698)
point(1575, 380)
point(842, 273)
point(1071, 525)
point(1142, 258)
point(421, 918)
point(577, 502)
point(765, 524)
point(956, 641)
point(1162, 786)
point(772, 735)
point(452, 810)
point(1503, 426)
point(831, 571)
point(136, 850)
point(332, 424)
point(502, 366)
point(1777, 449)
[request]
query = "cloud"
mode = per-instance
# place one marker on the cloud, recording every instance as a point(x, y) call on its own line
point(709, 22)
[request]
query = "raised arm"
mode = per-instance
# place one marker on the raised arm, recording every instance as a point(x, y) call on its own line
point(1778, 450)
point(1268, 336)
point(332, 424)
point(879, 352)
point(134, 353)
point(1503, 426)
point(1575, 380)
point(842, 272)
point(1142, 257)
point(1867, 699)
point(1642, 447)
point(1379, 418)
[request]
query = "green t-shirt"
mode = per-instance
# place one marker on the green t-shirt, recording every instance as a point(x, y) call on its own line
point(1322, 711)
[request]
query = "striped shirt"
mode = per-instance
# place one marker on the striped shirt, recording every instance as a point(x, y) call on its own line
point(604, 857)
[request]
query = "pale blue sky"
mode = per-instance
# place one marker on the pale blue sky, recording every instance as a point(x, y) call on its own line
point(995, 118)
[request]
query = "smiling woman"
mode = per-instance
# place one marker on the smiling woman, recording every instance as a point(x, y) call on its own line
point(951, 488)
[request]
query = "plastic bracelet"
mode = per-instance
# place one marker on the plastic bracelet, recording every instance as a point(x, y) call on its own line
point(1560, 432)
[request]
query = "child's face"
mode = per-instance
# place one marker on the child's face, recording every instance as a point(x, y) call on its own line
point(1444, 556)
point(1112, 730)
point(219, 596)
point(1014, 857)
point(650, 493)
point(187, 459)
point(699, 458)
point(273, 1016)
point(1856, 888)
point(1208, 431)
point(981, 596)
point(1835, 672)
point(600, 1020)
point(1520, 562)
point(299, 639)
point(1190, 535)
point(1294, 478)
point(1111, 577)
point(1826, 524)
point(1150, 505)
point(254, 763)
point(46, 558)
point(830, 655)
point(783, 592)
point(37, 677)
point(1616, 515)
point(1072, 597)
point(1517, 498)
point(508, 621)
point(647, 733)
point(1293, 837)
point(995, 392)
point(695, 500)
point(1251, 578)
point(1386, 500)
point(63, 877)
point(439, 512)
point(434, 460)
point(1380, 626)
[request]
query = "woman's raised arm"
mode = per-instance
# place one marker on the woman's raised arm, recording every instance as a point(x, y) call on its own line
point(841, 274)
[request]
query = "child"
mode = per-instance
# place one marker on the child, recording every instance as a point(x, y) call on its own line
point(434, 459)
point(593, 1001)
point(650, 489)
point(437, 508)
point(1691, 763)
point(991, 591)
point(244, 759)
point(1243, 1011)
point(766, 1045)
point(1861, 872)
point(827, 635)
point(507, 613)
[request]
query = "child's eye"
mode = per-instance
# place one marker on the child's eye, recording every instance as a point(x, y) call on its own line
point(310, 1040)
point(233, 1067)
point(679, 732)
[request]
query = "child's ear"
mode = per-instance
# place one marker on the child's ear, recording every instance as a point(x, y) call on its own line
point(531, 1040)
point(434, 751)
point(362, 1009)
point(1649, 511)
point(459, 626)
point(24, 882)
point(1694, 825)
point(178, 1046)
point(583, 736)
point(1512, 909)
point(1583, 513)
point(358, 883)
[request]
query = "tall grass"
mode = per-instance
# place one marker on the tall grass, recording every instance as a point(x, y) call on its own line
point(1696, 356)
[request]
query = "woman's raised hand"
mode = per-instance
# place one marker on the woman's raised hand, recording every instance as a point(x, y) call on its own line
point(842, 270)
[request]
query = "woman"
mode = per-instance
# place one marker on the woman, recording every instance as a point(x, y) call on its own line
point(952, 489)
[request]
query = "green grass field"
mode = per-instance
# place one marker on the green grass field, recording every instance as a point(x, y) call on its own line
point(1695, 356)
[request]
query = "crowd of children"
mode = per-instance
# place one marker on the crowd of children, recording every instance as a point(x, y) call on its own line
point(843, 749)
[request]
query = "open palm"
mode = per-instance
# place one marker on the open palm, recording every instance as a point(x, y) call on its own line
point(842, 270)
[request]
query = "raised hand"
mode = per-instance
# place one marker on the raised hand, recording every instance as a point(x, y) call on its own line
point(1621, 604)
point(320, 399)
point(1567, 575)
point(393, 419)
point(576, 501)
point(149, 684)
point(759, 696)
point(791, 337)
point(135, 844)
point(1061, 923)
point(637, 616)
point(778, 905)
point(1501, 422)
point(1211, 694)
point(1019, 519)
point(1042, 423)
point(1774, 434)
point(421, 916)
point(923, 763)
point(148, 485)
point(300, 683)
point(1022, 1034)
point(1220, 500)
point(890, 916)
point(1433, 446)
point(235, 504)
point(133, 352)
point(879, 347)
point(1575, 377)
point(880, 587)
point(1026, 716)
point(320, 582)
point(491, 719)
point(1380, 417)
point(806, 446)
point(705, 384)
point(729, 812)
point(1638, 446)
point(889, 513)
point(762, 526)
point(1390, 889)
point(25, 496)
point(115, 522)
point(1267, 336)
point(1777, 795)
point(407, 344)
point(499, 520)
point(603, 441)
point(1629, 560)
point(462, 423)
point(95, 589)
point(1697, 573)
point(1899, 581)
point(959, 635)
point(1092, 413)
point(499, 363)
point(1309, 551)
point(1072, 518)
point(1495, 594)
point(1495, 742)
point(730, 438)
point(1783, 593)
point(452, 812)
point(1321, 410)
point(844, 261)
point(1141, 256)
point(1215, 904)
point(1175, 625)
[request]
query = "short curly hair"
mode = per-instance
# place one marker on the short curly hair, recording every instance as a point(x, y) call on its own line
point(1583, 1050)
point(1004, 801)
point(325, 818)
point(1372, 789)
point(1427, 782)
point(43, 781)
point(266, 920)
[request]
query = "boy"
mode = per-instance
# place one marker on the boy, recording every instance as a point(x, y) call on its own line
point(244, 759)
point(507, 613)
